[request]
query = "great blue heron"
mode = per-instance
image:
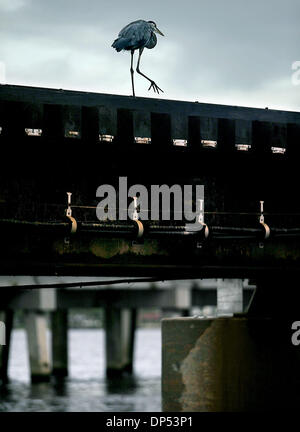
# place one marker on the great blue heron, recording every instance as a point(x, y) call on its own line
point(139, 34)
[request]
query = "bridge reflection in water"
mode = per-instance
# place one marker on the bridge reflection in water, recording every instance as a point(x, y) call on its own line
point(86, 388)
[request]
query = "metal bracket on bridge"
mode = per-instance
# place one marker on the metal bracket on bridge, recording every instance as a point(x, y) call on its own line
point(205, 229)
point(135, 218)
point(262, 222)
point(69, 214)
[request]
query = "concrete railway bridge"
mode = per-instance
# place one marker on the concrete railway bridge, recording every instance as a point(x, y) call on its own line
point(56, 141)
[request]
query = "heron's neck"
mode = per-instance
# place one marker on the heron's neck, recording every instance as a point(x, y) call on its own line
point(152, 41)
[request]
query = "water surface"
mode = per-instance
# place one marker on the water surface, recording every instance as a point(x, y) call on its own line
point(86, 388)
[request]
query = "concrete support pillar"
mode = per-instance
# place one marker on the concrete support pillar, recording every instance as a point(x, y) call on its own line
point(230, 296)
point(229, 364)
point(6, 324)
point(59, 324)
point(120, 329)
point(36, 328)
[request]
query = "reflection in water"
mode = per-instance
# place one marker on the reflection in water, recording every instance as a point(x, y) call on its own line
point(128, 384)
point(86, 388)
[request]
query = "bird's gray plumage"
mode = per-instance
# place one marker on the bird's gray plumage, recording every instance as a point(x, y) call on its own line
point(139, 34)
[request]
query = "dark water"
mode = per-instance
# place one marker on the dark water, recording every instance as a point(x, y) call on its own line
point(86, 388)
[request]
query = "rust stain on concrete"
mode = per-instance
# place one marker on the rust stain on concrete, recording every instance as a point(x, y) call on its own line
point(200, 373)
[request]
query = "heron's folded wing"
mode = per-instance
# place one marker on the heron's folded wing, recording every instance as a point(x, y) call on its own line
point(137, 34)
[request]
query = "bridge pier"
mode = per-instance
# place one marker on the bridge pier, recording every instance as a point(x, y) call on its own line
point(228, 364)
point(6, 324)
point(59, 324)
point(242, 363)
point(36, 329)
point(120, 325)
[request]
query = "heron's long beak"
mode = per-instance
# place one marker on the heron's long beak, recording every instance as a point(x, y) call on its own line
point(158, 31)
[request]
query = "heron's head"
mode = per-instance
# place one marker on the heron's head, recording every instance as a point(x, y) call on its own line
point(154, 28)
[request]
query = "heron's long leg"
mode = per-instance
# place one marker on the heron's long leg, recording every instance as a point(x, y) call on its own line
point(132, 72)
point(153, 84)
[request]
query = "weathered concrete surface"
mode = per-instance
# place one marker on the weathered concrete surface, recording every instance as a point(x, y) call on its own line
point(228, 364)
point(6, 321)
point(36, 328)
point(230, 296)
point(30, 252)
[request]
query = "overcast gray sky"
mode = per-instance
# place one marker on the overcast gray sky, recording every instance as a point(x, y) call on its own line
point(236, 52)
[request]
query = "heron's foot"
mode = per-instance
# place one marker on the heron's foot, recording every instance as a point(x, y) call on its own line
point(155, 87)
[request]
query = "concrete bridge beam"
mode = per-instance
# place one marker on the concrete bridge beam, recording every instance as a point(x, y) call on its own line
point(240, 363)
